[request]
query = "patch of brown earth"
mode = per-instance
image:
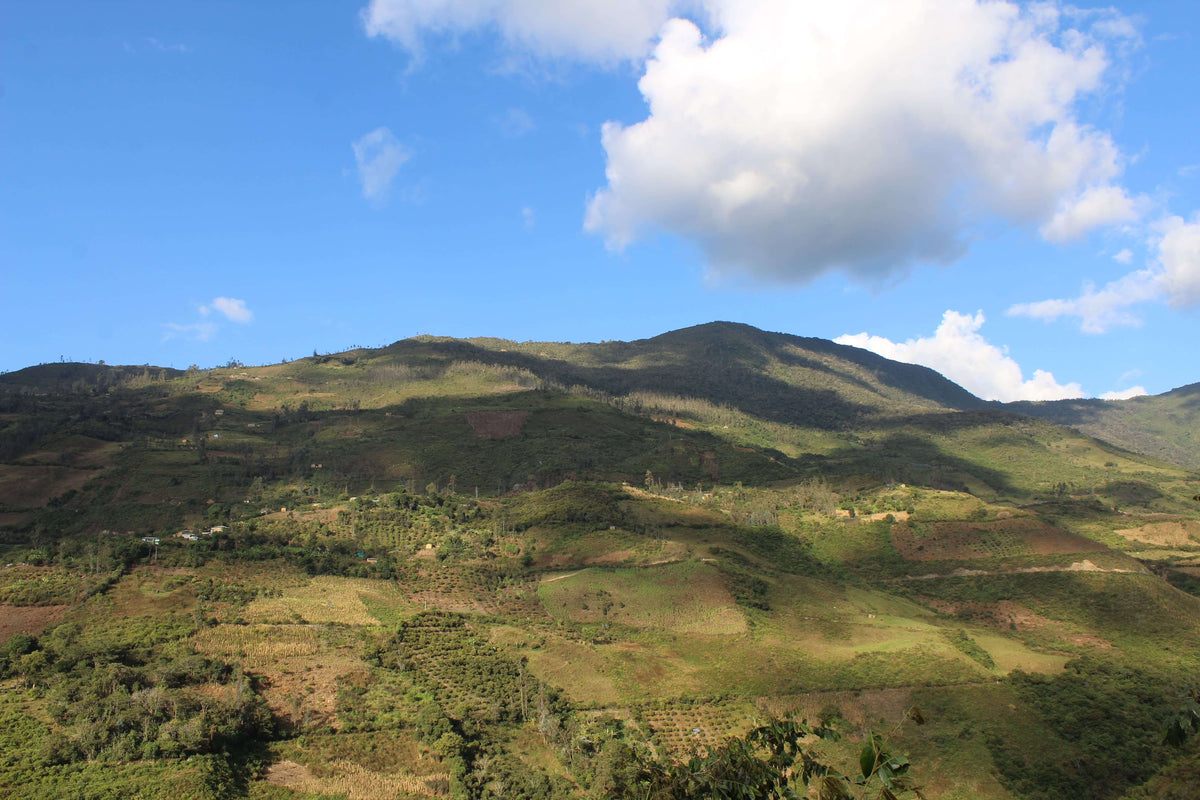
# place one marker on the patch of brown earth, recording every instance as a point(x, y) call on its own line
point(35, 486)
point(288, 773)
point(612, 557)
point(27, 619)
point(496, 424)
point(859, 708)
point(676, 421)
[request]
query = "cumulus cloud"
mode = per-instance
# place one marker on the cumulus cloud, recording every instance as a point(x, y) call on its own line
point(1173, 277)
point(865, 136)
point(959, 352)
point(1125, 394)
point(1124, 257)
point(1179, 259)
point(233, 309)
point(379, 156)
point(601, 31)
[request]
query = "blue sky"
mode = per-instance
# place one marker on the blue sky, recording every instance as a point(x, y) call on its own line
point(1005, 192)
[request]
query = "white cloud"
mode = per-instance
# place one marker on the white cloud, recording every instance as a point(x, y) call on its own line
point(1179, 258)
point(1098, 311)
point(601, 31)
point(233, 309)
point(865, 136)
point(1125, 394)
point(959, 352)
point(1092, 208)
point(1124, 257)
point(196, 332)
point(379, 156)
point(528, 217)
point(1174, 277)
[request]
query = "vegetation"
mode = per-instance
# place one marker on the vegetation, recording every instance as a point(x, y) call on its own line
point(490, 569)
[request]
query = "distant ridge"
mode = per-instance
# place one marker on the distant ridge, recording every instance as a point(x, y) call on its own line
point(74, 376)
point(776, 377)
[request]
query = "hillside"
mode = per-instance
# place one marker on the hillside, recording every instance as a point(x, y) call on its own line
point(1163, 426)
point(484, 569)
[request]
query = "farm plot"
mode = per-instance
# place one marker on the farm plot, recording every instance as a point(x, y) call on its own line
point(1005, 538)
point(686, 725)
point(1170, 533)
point(327, 599)
point(360, 766)
point(34, 486)
point(473, 589)
point(465, 673)
point(300, 666)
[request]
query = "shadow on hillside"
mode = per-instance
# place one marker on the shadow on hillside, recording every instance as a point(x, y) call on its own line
point(725, 378)
point(908, 458)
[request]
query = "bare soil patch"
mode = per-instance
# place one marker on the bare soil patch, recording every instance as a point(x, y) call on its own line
point(496, 424)
point(27, 619)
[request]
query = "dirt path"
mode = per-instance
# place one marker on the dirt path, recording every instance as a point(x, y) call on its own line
point(560, 577)
point(963, 572)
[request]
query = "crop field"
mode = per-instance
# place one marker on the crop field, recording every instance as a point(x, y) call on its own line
point(683, 726)
point(960, 541)
point(327, 599)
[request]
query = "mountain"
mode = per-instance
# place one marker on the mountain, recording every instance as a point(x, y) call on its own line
point(483, 568)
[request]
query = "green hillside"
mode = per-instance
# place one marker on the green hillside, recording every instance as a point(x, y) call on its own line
point(485, 569)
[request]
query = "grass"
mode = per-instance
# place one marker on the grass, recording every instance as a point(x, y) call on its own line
point(688, 597)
